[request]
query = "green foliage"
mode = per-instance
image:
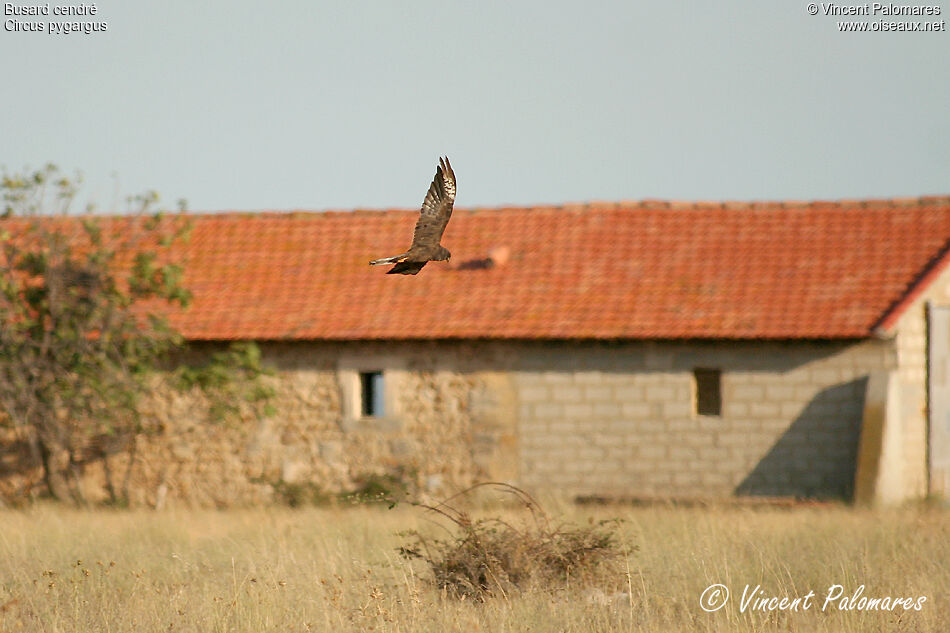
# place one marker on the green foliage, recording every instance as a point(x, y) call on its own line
point(301, 494)
point(385, 488)
point(371, 488)
point(231, 381)
point(80, 326)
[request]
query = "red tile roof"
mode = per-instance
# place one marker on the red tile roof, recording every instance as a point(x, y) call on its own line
point(600, 271)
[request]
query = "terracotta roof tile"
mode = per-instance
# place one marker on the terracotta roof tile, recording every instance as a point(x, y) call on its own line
point(654, 269)
point(635, 270)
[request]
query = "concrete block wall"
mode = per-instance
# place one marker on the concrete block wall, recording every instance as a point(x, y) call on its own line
point(912, 352)
point(911, 344)
point(599, 419)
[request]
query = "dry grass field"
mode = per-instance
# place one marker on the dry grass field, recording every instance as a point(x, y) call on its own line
point(337, 570)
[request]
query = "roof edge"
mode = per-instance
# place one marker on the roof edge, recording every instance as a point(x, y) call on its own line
point(595, 204)
point(884, 327)
point(527, 339)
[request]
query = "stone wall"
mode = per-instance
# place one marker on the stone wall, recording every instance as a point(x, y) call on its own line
point(576, 418)
point(441, 435)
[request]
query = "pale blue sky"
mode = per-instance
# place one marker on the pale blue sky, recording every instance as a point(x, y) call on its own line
point(309, 105)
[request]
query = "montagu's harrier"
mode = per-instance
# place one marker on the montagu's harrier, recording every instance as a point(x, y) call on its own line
point(435, 214)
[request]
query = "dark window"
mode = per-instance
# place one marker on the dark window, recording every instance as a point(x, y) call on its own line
point(708, 391)
point(371, 390)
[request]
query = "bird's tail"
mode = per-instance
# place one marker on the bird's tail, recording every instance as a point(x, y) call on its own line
point(395, 259)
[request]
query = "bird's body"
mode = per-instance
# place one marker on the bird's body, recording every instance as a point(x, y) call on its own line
point(433, 217)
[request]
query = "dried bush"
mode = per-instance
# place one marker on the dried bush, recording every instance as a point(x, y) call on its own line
point(491, 556)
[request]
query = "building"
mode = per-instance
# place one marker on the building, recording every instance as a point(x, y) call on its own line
point(647, 349)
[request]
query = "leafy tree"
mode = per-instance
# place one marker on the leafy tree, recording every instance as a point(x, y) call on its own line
point(82, 331)
point(80, 323)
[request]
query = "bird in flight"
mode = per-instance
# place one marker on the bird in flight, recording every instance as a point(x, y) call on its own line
point(434, 215)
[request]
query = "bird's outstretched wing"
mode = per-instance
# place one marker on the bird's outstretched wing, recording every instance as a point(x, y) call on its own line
point(436, 208)
point(406, 268)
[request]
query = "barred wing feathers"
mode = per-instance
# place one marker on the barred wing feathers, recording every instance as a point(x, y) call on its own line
point(436, 208)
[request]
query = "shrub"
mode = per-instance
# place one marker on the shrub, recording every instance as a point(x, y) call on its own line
point(391, 487)
point(490, 556)
point(299, 494)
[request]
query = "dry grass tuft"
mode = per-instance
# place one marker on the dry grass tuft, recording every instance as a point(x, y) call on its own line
point(492, 556)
